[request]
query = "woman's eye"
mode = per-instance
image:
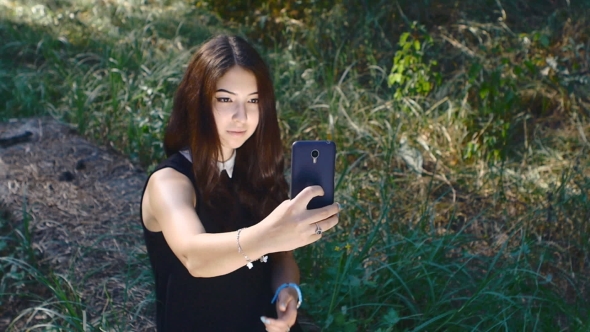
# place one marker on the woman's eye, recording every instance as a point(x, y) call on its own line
point(223, 100)
point(254, 100)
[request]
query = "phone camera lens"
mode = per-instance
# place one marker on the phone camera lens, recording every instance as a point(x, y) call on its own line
point(315, 153)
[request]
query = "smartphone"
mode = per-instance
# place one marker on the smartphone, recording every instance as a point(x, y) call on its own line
point(313, 163)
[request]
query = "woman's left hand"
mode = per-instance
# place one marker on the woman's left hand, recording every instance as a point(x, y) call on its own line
point(286, 312)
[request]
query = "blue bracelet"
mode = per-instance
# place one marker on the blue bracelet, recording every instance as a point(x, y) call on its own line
point(292, 285)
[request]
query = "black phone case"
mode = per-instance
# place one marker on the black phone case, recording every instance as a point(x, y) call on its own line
point(309, 171)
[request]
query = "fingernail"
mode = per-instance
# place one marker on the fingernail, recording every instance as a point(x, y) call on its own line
point(263, 319)
point(339, 206)
point(283, 306)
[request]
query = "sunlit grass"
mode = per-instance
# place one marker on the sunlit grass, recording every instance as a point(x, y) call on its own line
point(471, 243)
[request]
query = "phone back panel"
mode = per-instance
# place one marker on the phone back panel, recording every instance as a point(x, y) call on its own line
point(309, 171)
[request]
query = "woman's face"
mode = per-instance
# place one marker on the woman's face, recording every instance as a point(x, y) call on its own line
point(235, 108)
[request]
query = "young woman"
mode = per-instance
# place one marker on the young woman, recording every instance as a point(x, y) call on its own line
point(218, 225)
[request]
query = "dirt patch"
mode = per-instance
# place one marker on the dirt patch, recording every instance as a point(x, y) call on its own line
point(82, 203)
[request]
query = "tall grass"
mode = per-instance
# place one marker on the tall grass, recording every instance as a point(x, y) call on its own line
point(489, 233)
point(395, 278)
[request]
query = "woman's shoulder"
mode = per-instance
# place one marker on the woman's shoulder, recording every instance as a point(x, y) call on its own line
point(175, 168)
point(175, 172)
point(169, 184)
point(176, 161)
point(168, 174)
point(166, 190)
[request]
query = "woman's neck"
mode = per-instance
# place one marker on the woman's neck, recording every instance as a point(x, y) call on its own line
point(227, 155)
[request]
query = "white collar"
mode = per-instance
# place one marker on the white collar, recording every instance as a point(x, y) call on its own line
point(228, 165)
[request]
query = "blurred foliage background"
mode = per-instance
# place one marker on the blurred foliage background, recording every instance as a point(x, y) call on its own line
point(462, 129)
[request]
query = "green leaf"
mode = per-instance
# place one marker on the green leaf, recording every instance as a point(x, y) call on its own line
point(417, 45)
point(403, 38)
point(392, 317)
point(395, 78)
point(354, 281)
point(425, 86)
point(329, 321)
point(340, 319)
point(530, 66)
point(474, 70)
point(351, 327)
point(484, 92)
point(544, 40)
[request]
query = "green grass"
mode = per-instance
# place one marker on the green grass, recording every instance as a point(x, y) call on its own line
point(493, 236)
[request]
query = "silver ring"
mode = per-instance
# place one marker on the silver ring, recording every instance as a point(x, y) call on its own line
point(318, 229)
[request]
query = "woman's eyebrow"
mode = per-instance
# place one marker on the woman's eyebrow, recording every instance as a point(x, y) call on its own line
point(224, 90)
point(231, 93)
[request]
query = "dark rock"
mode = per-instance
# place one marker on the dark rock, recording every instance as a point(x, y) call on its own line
point(66, 176)
point(80, 165)
point(16, 139)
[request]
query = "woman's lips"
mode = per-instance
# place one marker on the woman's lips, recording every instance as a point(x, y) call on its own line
point(236, 132)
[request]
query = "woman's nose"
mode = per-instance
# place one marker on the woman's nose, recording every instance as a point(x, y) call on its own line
point(240, 113)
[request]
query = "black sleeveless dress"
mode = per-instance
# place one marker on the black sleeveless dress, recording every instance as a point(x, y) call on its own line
point(232, 302)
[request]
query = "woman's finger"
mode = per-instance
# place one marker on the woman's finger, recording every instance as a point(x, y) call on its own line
point(275, 325)
point(315, 215)
point(306, 195)
point(324, 225)
point(285, 297)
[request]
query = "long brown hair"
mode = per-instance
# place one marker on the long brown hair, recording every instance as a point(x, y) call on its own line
point(259, 161)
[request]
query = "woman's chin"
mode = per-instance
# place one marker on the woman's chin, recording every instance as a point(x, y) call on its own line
point(236, 142)
point(233, 144)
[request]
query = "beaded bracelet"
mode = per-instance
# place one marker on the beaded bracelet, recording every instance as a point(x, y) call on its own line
point(264, 258)
point(292, 285)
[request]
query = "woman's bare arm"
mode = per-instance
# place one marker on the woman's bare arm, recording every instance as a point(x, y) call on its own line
point(291, 225)
point(171, 197)
point(284, 269)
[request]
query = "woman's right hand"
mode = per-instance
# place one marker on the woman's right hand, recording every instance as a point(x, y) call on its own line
point(291, 225)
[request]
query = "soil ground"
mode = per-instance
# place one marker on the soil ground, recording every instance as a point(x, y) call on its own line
point(82, 202)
